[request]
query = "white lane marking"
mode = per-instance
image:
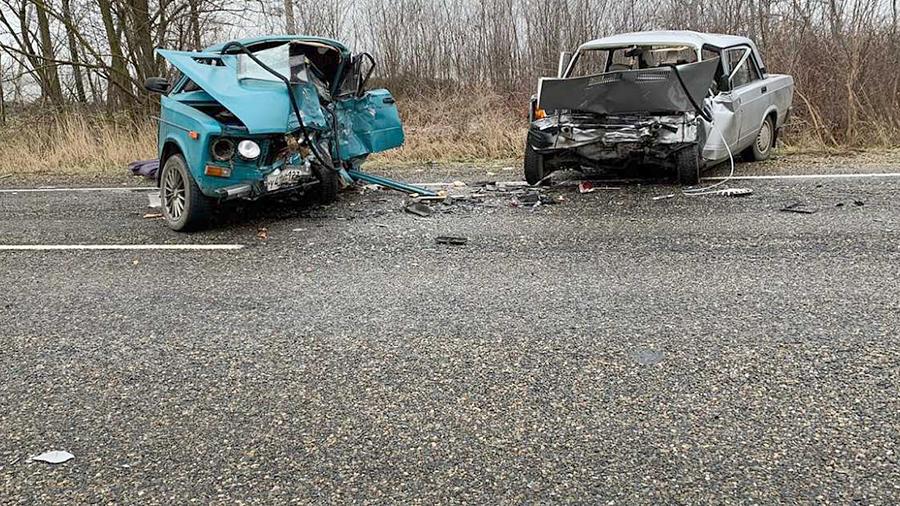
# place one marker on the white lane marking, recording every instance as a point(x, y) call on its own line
point(808, 176)
point(54, 247)
point(100, 189)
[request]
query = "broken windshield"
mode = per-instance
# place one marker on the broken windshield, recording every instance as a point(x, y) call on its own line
point(597, 61)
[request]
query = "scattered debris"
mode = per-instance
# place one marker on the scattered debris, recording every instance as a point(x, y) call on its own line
point(459, 184)
point(735, 192)
point(152, 216)
point(262, 234)
point(359, 175)
point(588, 187)
point(419, 209)
point(298, 230)
point(799, 207)
point(858, 203)
point(154, 200)
point(664, 197)
point(54, 457)
point(451, 240)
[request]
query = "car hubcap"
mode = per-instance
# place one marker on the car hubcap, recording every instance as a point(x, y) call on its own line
point(764, 139)
point(173, 194)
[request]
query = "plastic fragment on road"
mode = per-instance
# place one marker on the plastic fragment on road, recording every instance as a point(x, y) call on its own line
point(664, 197)
point(800, 208)
point(54, 457)
point(451, 240)
point(418, 209)
point(154, 201)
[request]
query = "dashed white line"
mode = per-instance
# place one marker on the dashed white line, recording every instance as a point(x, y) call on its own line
point(115, 247)
point(100, 189)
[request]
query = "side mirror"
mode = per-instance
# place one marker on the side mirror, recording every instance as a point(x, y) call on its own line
point(564, 59)
point(723, 83)
point(157, 85)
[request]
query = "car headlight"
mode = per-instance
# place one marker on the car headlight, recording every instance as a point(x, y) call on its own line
point(222, 149)
point(248, 149)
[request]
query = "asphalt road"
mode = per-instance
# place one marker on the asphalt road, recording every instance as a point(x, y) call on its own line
point(606, 348)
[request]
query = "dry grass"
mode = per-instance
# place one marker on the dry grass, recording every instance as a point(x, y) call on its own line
point(460, 126)
point(74, 144)
point(463, 126)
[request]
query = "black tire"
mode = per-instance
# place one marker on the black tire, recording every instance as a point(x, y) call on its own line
point(534, 166)
point(687, 163)
point(761, 149)
point(329, 183)
point(184, 206)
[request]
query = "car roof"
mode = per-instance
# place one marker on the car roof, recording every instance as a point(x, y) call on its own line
point(666, 37)
point(286, 38)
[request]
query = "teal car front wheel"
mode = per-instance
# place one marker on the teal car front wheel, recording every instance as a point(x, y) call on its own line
point(184, 207)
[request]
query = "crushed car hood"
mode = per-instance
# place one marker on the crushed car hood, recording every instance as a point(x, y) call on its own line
point(264, 107)
point(655, 90)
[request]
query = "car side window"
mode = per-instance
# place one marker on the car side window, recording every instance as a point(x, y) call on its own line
point(741, 73)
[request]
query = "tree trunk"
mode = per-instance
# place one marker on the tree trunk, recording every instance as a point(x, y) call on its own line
point(73, 52)
point(118, 78)
point(290, 23)
point(2, 95)
point(195, 23)
point(51, 88)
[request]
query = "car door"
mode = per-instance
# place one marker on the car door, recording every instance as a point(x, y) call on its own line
point(748, 92)
point(368, 121)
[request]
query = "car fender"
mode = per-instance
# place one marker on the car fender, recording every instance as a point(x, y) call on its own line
point(190, 131)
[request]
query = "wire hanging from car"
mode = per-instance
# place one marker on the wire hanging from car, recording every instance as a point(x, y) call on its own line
point(312, 144)
point(709, 190)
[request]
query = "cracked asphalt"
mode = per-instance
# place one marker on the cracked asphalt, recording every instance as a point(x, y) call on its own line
point(606, 348)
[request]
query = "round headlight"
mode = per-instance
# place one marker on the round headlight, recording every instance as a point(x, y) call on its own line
point(222, 149)
point(248, 149)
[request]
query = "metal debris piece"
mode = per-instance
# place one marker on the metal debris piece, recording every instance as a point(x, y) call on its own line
point(388, 183)
point(735, 192)
point(663, 197)
point(451, 240)
point(799, 207)
point(419, 209)
point(54, 457)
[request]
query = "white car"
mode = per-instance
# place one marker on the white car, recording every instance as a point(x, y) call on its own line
point(668, 98)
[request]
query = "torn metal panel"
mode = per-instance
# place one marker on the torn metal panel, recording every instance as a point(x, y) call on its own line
point(655, 90)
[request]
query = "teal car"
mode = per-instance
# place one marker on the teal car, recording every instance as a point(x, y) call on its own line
point(264, 116)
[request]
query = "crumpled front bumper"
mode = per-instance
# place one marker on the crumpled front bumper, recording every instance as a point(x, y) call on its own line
point(604, 138)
